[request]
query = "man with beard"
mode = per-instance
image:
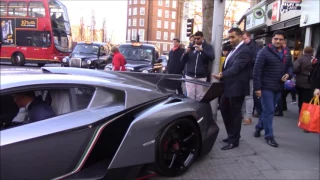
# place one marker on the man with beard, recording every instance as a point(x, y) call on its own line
point(235, 76)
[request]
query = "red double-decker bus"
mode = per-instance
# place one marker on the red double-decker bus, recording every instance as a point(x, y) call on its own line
point(34, 31)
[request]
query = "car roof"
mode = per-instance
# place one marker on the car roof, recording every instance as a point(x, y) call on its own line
point(93, 43)
point(143, 45)
point(11, 77)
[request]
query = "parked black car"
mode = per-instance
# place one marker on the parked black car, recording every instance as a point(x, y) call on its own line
point(88, 55)
point(140, 57)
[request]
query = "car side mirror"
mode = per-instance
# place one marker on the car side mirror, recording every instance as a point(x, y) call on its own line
point(159, 61)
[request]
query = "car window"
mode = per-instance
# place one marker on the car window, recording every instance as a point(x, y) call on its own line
point(42, 104)
point(83, 97)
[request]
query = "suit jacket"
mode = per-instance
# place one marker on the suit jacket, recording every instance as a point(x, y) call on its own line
point(39, 110)
point(236, 74)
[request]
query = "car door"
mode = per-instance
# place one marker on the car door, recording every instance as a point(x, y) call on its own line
point(102, 57)
point(51, 147)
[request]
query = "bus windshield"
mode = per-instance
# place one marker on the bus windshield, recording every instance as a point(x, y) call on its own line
point(136, 53)
point(60, 26)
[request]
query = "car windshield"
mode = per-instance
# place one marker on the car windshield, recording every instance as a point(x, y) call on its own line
point(86, 49)
point(60, 26)
point(136, 53)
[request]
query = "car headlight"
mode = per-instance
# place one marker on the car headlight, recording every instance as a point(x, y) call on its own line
point(64, 60)
point(88, 62)
point(145, 71)
point(163, 68)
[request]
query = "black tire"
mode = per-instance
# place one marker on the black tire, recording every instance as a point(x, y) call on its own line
point(177, 147)
point(41, 64)
point(18, 59)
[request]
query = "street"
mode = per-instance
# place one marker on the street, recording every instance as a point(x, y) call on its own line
point(297, 156)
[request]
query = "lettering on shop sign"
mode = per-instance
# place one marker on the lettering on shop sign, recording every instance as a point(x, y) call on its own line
point(286, 7)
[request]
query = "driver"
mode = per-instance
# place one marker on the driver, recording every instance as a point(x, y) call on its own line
point(35, 108)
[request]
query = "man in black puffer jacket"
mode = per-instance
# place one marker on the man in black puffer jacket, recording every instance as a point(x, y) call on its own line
point(272, 68)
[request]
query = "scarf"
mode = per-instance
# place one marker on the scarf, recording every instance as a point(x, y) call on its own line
point(175, 48)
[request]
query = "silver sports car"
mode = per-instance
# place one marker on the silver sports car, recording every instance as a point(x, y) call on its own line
point(72, 123)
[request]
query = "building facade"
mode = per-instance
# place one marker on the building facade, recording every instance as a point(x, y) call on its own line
point(270, 15)
point(156, 22)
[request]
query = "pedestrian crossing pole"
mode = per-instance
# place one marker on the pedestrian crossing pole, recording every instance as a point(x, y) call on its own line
point(217, 37)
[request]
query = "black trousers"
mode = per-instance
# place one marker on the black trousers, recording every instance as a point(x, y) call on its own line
point(230, 108)
point(304, 96)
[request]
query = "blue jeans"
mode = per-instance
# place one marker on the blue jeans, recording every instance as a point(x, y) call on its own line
point(269, 100)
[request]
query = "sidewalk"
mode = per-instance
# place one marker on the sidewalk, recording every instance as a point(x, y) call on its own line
point(297, 156)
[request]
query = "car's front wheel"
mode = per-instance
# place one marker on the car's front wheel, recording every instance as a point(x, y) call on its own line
point(177, 147)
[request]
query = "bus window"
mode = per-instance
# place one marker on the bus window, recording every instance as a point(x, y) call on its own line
point(3, 9)
point(36, 9)
point(17, 9)
point(33, 38)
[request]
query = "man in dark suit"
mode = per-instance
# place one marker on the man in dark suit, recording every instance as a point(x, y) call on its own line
point(235, 76)
point(36, 108)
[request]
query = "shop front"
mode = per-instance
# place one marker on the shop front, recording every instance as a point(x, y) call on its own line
point(285, 15)
point(311, 22)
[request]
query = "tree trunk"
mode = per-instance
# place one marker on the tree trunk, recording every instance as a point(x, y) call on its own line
point(207, 17)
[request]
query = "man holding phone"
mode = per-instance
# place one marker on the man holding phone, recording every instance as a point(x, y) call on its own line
point(272, 68)
point(197, 59)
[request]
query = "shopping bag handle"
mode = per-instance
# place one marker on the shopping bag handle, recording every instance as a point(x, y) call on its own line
point(315, 100)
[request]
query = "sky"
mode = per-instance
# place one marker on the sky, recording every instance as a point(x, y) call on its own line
point(115, 12)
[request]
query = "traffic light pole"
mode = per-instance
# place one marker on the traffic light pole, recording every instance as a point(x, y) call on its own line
point(217, 37)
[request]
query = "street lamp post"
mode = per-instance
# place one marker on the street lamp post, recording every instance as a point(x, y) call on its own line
point(217, 35)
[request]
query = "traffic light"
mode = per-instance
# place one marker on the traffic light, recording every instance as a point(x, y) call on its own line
point(190, 24)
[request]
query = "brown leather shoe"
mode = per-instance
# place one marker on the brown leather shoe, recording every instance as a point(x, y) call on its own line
point(247, 121)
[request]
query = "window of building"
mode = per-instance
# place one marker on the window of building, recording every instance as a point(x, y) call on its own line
point(159, 2)
point(3, 8)
point(135, 1)
point(174, 14)
point(166, 24)
point(142, 1)
point(134, 11)
point(134, 22)
point(164, 47)
point(165, 36)
point(171, 46)
point(36, 9)
point(129, 22)
point(158, 34)
point(134, 34)
point(129, 35)
point(130, 1)
point(158, 45)
point(166, 14)
point(141, 34)
point(172, 35)
point(129, 12)
point(174, 4)
point(173, 25)
point(159, 12)
point(142, 11)
point(158, 23)
point(17, 9)
point(141, 22)
point(167, 3)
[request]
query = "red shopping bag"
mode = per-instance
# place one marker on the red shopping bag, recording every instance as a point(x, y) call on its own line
point(309, 118)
